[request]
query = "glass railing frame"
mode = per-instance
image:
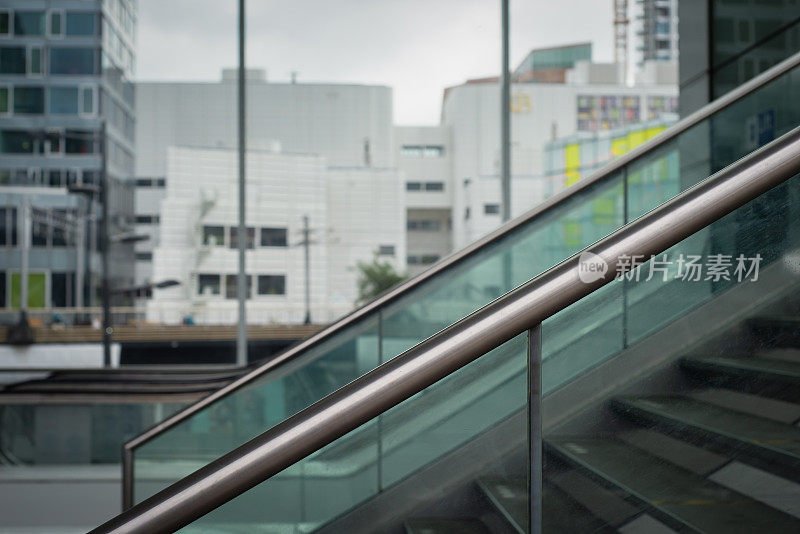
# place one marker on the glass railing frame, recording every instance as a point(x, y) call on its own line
point(609, 171)
point(520, 310)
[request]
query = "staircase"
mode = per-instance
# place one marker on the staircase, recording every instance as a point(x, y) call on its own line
point(720, 455)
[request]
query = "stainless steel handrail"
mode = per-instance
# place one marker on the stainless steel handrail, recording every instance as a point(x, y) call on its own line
point(604, 173)
point(456, 346)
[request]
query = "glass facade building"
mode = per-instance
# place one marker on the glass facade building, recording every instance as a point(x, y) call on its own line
point(66, 69)
point(724, 44)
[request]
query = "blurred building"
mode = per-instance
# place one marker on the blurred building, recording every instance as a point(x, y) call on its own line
point(65, 69)
point(348, 125)
point(724, 44)
point(424, 157)
point(657, 33)
point(354, 214)
point(591, 99)
point(569, 159)
point(550, 65)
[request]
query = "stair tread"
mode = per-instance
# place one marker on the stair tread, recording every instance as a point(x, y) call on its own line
point(776, 368)
point(509, 496)
point(678, 493)
point(739, 426)
point(676, 451)
point(778, 410)
point(598, 500)
point(561, 513)
point(775, 318)
point(445, 526)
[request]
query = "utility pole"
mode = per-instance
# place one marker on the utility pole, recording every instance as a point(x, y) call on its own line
point(505, 119)
point(307, 245)
point(241, 282)
point(106, 243)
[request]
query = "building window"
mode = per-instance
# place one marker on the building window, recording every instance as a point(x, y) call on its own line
point(151, 182)
point(8, 226)
point(35, 58)
point(12, 60)
point(5, 29)
point(29, 100)
point(28, 23)
point(16, 142)
point(230, 286)
point(79, 141)
point(55, 22)
point(81, 24)
point(88, 100)
point(467, 213)
point(53, 142)
point(148, 256)
point(147, 219)
point(423, 225)
point(55, 178)
point(64, 100)
point(418, 151)
point(208, 285)
point(273, 237)
point(73, 61)
point(413, 186)
point(386, 250)
point(59, 229)
point(214, 236)
point(62, 289)
point(411, 151)
point(39, 233)
point(233, 232)
point(425, 259)
point(433, 151)
point(434, 186)
point(5, 96)
point(491, 209)
point(271, 284)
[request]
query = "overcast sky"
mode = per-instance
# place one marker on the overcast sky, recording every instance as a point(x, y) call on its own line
point(418, 47)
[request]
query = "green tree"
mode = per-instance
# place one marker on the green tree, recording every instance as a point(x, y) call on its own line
point(376, 277)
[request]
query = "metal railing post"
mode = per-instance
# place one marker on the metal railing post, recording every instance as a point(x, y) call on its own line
point(535, 429)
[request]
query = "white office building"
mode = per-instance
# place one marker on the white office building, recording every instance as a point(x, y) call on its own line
point(424, 158)
point(540, 113)
point(349, 125)
point(198, 235)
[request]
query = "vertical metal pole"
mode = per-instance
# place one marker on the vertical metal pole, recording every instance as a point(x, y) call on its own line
point(307, 245)
point(106, 245)
point(505, 119)
point(241, 283)
point(25, 227)
point(535, 428)
point(625, 220)
point(80, 265)
point(92, 251)
point(379, 451)
point(127, 477)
